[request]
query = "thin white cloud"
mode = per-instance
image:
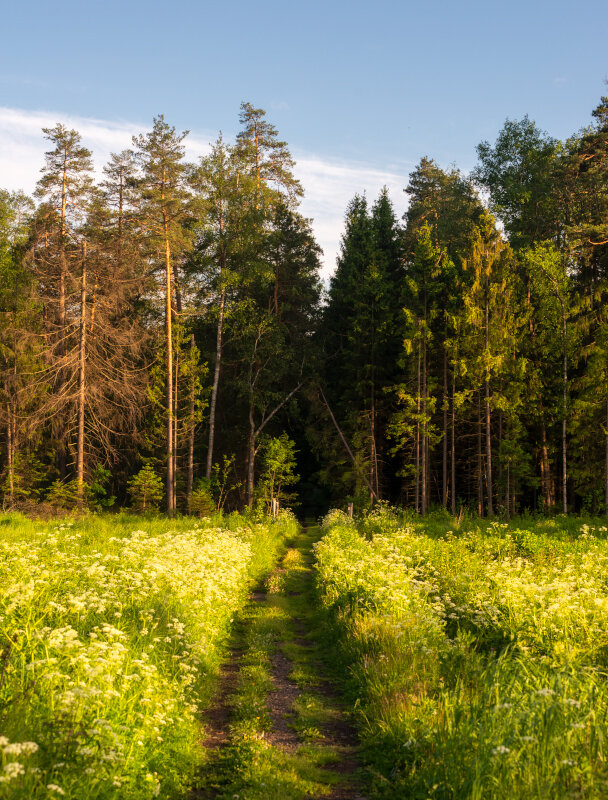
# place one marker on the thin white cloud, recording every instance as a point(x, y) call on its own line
point(328, 184)
point(328, 188)
point(22, 143)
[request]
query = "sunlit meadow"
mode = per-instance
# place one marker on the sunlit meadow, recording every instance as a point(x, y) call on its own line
point(111, 632)
point(478, 652)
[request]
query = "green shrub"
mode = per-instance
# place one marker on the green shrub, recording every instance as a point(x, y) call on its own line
point(202, 503)
point(146, 490)
point(63, 495)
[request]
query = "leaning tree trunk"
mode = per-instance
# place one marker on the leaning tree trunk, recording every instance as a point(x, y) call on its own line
point(216, 382)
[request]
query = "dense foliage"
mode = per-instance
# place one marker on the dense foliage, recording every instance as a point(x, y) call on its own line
point(170, 318)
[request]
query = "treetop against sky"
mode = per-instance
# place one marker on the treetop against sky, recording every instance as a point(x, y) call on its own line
point(359, 92)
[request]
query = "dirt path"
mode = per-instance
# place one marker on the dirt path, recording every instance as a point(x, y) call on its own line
point(278, 727)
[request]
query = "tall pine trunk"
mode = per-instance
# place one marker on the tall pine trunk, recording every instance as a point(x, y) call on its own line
point(545, 468)
point(479, 458)
point(424, 469)
point(251, 457)
point(169, 341)
point(218, 347)
point(487, 414)
point(81, 378)
point(176, 355)
point(191, 431)
point(500, 481)
point(606, 467)
point(418, 398)
point(63, 269)
point(10, 452)
point(453, 442)
point(444, 499)
point(564, 416)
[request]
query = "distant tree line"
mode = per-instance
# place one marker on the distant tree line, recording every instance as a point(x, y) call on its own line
point(165, 329)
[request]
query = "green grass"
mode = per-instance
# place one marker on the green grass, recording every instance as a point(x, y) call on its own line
point(477, 652)
point(251, 766)
point(112, 629)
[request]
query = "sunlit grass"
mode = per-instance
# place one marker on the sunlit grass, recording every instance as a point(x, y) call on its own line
point(111, 632)
point(477, 652)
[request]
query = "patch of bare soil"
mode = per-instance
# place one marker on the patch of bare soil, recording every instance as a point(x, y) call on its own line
point(280, 704)
point(217, 716)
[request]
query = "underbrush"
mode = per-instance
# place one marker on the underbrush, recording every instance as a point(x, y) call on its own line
point(111, 632)
point(477, 652)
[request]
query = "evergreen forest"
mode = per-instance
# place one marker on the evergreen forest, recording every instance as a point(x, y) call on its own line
point(166, 341)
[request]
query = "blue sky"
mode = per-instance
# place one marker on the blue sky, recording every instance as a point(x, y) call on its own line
point(359, 91)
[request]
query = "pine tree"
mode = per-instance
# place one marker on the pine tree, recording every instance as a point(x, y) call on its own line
point(164, 210)
point(65, 189)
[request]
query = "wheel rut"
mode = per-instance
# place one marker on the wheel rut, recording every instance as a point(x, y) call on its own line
point(277, 726)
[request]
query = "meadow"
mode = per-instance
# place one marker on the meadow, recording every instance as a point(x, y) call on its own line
point(473, 655)
point(111, 634)
point(477, 652)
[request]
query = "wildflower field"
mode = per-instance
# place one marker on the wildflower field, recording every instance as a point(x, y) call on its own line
point(478, 652)
point(111, 633)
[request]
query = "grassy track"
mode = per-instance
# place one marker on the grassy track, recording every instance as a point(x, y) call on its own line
point(288, 735)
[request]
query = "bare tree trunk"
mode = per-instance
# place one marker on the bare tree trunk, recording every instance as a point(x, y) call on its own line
point(10, 453)
point(216, 382)
point(81, 379)
point(418, 393)
point(169, 339)
point(63, 269)
point(444, 498)
point(251, 457)
point(374, 481)
point(453, 442)
point(178, 310)
point(564, 416)
point(545, 467)
point(176, 359)
point(488, 419)
point(276, 289)
point(499, 487)
point(606, 478)
point(374, 449)
point(479, 459)
point(424, 469)
point(191, 431)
